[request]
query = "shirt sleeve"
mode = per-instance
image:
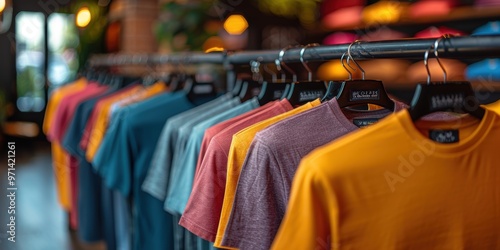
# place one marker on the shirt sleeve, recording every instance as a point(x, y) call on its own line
point(260, 201)
point(312, 215)
point(203, 209)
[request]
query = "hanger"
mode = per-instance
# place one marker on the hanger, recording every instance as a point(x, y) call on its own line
point(356, 92)
point(273, 90)
point(199, 86)
point(251, 86)
point(455, 96)
point(306, 91)
point(237, 87)
point(334, 86)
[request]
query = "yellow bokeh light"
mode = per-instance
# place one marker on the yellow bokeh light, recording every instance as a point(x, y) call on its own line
point(213, 43)
point(2, 5)
point(83, 17)
point(235, 24)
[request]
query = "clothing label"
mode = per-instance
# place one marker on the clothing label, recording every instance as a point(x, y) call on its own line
point(310, 95)
point(357, 95)
point(363, 122)
point(444, 136)
point(203, 89)
point(445, 101)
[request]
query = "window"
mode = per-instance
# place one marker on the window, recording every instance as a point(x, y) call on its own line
point(62, 57)
point(30, 61)
point(62, 46)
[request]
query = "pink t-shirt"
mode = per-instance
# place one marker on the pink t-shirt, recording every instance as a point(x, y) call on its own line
point(203, 209)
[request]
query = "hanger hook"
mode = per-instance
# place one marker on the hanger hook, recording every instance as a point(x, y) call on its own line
point(426, 63)
point(436, 46)
point(352, 58)
point(281, 63)
point(272, 73)
point(343, 65)
point(255, 68)
point(302, 51)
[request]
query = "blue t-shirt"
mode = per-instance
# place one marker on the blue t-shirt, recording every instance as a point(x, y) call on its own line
point(169, 143)
point(182, 174)
point(92, 204)
point(125, 156)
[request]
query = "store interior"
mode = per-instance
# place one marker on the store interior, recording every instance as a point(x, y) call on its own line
point(47, 45)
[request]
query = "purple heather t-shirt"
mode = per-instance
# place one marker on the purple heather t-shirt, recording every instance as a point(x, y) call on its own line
point(270, 165)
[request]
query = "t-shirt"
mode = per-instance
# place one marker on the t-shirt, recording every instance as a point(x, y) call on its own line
point(181, 179)
point(97, 134)
point(105, 101)
point(88, 184)
point(60, 158)
point(56, 97)
point(126, 151)
point(392, 186)
point(202, 212)
point(169, 143)
point(156, 181)
point(237, 153)
point(61, 120)
point(214, 130)
point(272, 159)
point(67, 107)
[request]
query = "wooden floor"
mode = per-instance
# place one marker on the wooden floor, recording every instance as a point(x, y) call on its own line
point(40, 222)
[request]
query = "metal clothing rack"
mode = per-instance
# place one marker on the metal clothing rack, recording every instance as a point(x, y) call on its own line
point(454, 47)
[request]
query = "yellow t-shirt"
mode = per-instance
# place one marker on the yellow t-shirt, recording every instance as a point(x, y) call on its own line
point(237, 153)
point(389, 186)
point(60, 158)
point(101, 124)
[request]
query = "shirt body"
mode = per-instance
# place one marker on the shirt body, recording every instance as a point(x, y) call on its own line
point(169, 144)
point(181, 180)
point(100, 127)
point(237, 153)
point(390, 186)
point(202, 212)
point(272, 159)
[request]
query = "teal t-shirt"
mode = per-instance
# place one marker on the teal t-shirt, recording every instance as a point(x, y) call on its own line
point(182, 174)
point(171, 142)
point(125, 156)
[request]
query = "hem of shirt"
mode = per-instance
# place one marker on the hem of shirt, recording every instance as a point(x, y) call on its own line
point(242, 243)
point(197, 229)
point(220, 245)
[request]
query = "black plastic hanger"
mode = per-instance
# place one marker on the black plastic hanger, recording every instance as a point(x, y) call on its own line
point(456, 96)
point(273, 90)
point(358, 92)
point(331, 91)
point(249, 89)
point(199, 89)
point(302, 92)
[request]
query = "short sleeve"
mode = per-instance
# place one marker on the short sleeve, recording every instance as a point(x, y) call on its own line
point(311, 219)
